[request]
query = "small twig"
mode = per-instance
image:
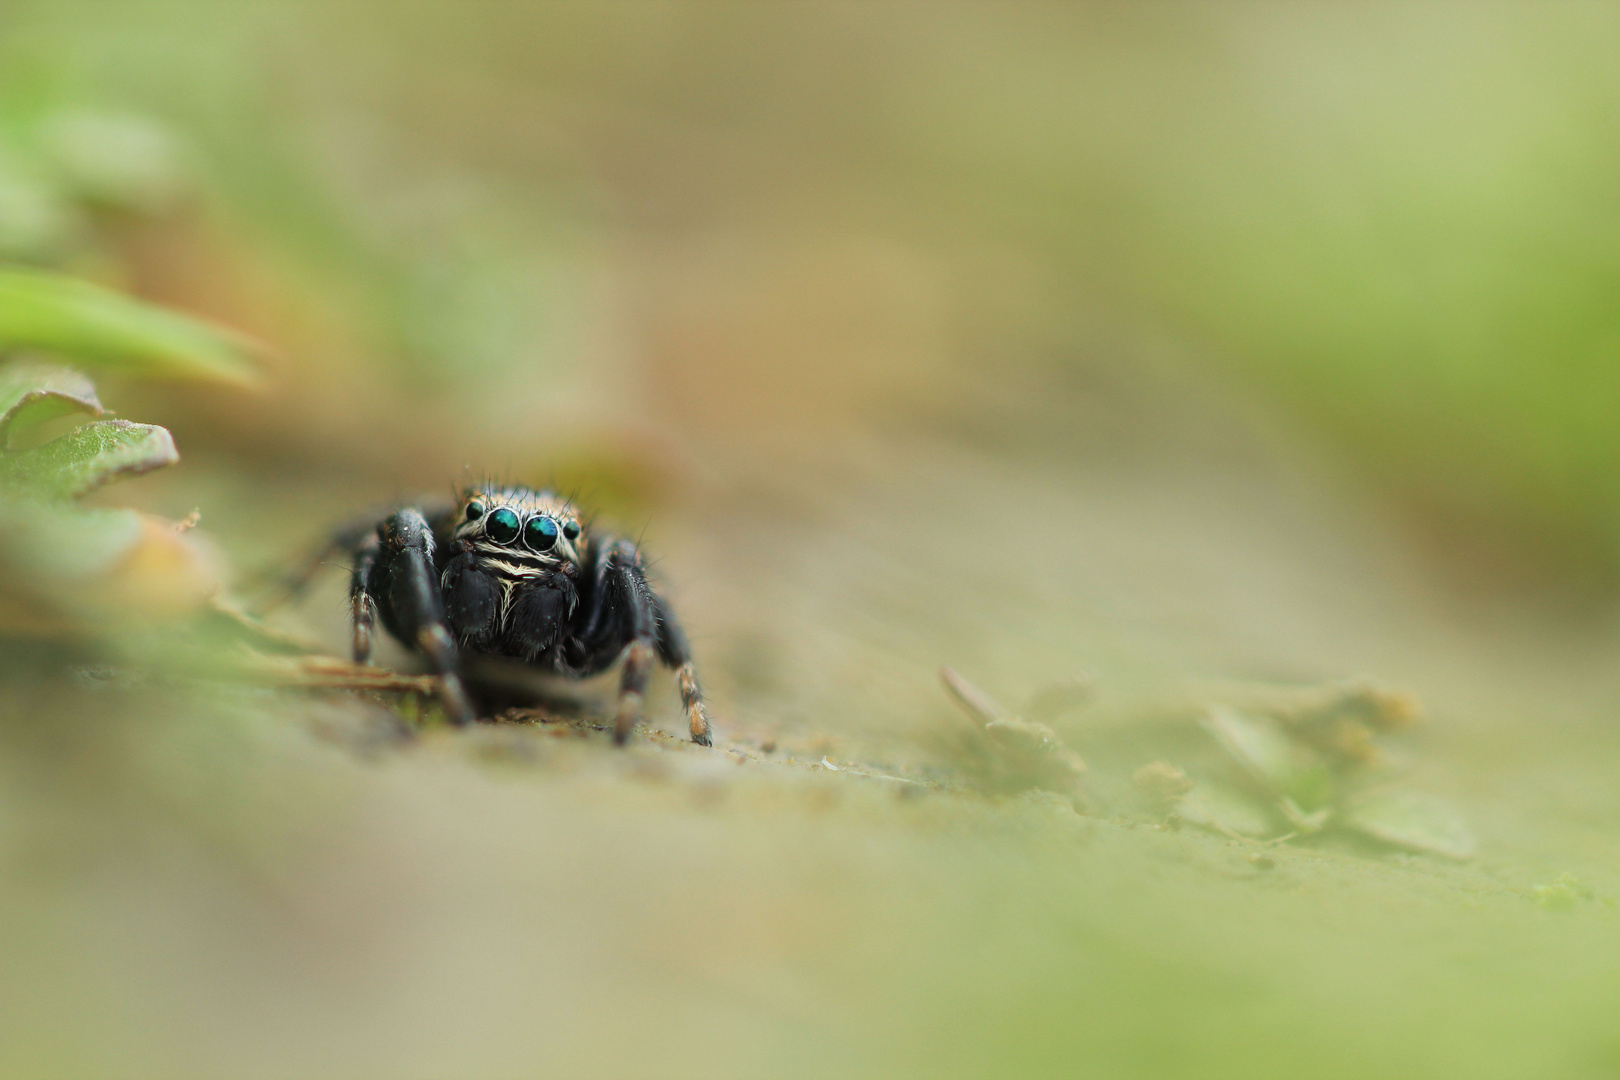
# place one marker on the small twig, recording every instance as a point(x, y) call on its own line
point(1011, 753)
point(979, 704)
point(331, 673)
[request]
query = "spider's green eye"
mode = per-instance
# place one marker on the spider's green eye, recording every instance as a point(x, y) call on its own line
point(571, 530)
point(475, 510)
point(502, 526)
point(540, 534)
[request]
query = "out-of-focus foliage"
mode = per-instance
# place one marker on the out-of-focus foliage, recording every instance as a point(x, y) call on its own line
point(61, 169)
point(68, 317)
point(90, 573)
point(1393, 221)
point(70, 179)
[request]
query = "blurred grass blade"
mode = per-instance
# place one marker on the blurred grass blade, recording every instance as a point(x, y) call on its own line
point(73, 318)
point(86, 458)
point(32, 393)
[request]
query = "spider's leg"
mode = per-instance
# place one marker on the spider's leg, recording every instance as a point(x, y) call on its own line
point(280, 587)
point(404, 584)
point(632, 688)
point(675, 653)
point(362, 606)
point(285, 587)
point(624, 607)
point(619, 613)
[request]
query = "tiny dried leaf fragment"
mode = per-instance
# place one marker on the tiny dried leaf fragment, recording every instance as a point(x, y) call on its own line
point(1163, 781)
point(1011, 754)
point(1377, 706)
point(1208, 805)
point(1340, 720)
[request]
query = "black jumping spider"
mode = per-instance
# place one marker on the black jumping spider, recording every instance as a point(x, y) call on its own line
point(511, 572)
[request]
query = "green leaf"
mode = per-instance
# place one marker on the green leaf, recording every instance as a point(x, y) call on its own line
point(32, 393)
point(85, 459)
point(1279, 765)
point(1217, 807)
point(1413, 820)
point(61, 314)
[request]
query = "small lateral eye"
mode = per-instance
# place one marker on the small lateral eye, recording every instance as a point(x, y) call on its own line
point(540, 533)
point(502, 526)
point(571, 530)
point(475, 510)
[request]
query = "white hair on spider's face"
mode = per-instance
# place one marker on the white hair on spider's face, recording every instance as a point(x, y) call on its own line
point(518, 532)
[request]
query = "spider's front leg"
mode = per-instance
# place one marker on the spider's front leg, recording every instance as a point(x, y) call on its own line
point(348, 542)
point(624, 608)
point(395, 580)
point(677, 656)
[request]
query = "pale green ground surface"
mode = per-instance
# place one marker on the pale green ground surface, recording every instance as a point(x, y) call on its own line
point(249, 888)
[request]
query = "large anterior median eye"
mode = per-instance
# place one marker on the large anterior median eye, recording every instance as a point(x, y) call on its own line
point(502, 526)
point(540, 534)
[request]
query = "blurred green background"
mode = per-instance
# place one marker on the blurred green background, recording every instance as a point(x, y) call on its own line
point(1162, 341)
point(1394, 223)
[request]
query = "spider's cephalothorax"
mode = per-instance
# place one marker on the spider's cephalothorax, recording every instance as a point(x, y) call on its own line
point(512, 572)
